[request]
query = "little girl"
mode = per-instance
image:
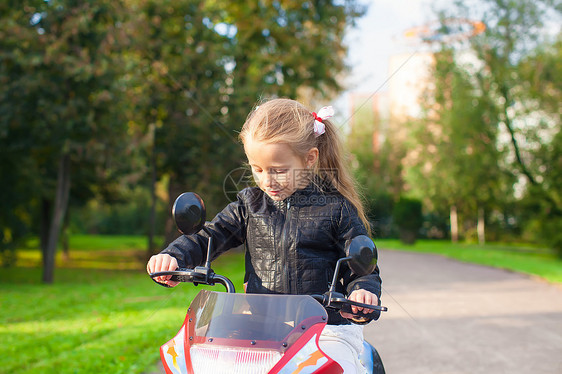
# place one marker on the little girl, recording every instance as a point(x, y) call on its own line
point(295, 224)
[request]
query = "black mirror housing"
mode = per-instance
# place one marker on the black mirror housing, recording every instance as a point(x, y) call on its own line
point(189, 213)
point(363, 255)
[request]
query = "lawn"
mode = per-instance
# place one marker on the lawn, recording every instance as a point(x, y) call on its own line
point(92, 320)
point(540, 262)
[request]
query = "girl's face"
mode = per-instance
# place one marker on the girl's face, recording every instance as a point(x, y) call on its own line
point(277, 170)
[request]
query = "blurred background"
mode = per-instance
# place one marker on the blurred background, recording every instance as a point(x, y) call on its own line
point(110, 109)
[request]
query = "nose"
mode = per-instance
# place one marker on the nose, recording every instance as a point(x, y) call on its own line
point(269, 180)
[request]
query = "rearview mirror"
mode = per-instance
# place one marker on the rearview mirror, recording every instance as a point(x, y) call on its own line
point(189, 213)
point(363, 255)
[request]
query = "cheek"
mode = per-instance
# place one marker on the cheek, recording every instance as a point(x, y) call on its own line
point(256, 178)
point(282, 179)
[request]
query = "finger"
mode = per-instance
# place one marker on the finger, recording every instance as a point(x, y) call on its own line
point(353, 297)
point(173, 265)
point(149, 265)
point(165, 266)
point(158, 266)
point(371, 299)
point(366, 300)
point(360, 298)
point(154, 265)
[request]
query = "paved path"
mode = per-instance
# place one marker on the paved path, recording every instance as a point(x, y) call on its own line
point(447, 317)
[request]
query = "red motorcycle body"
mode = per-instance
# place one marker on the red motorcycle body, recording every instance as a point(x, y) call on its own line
point(249, 333)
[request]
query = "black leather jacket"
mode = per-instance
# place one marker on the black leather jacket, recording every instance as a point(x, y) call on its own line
point(291, 246)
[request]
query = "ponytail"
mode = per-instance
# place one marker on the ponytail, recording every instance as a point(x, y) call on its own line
point(333, 166)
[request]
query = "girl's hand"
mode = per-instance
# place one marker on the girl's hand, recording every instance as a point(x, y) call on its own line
point(361, 296)
point(162, 263)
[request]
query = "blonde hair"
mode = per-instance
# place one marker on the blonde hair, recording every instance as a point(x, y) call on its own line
point(289, 122)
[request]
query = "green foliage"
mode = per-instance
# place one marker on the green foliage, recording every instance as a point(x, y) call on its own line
point(377, 168)
point(129, 217)
point(59, 71)
point(488, 134)
point(457, 160)
point(379, 210)
point(15, 219)
point(517, 58)
point(407, 215)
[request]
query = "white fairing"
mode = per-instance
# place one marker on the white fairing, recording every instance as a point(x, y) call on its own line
point(309, 354)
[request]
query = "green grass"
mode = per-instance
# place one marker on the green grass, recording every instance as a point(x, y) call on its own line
point(101, 242)
point(117, 252)
point(92, 320)
point(530, 260)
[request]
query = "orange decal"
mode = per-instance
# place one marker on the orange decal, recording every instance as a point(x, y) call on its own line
point(310, 361)
point(172, 352)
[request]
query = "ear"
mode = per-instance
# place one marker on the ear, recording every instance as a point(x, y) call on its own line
point(311, 157)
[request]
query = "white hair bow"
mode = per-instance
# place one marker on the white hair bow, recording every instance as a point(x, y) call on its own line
point(323, 114)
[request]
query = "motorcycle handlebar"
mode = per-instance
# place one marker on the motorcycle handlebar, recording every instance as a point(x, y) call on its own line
point(225, 282)
point(197, 277)
point(203, 275)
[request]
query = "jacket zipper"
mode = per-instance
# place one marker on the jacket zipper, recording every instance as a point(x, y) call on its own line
point(285, 250)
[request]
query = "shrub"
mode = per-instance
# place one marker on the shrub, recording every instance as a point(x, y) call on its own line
point(407, 215)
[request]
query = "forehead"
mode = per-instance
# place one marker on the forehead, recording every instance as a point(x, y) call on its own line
point(269, 154)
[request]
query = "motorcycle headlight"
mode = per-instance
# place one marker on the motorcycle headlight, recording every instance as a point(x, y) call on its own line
point(231, 360)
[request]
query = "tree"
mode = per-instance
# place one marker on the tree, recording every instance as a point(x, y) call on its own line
point(541, 75)
point(179, 93)
point(514, 39)
point(377, 167)
point(237, 52)
point(455, 165)
point(485, 125)
point(59, 69)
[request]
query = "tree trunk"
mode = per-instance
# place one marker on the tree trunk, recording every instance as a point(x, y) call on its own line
point(59, 210)
point(45, 224)
point(481, 228)
point(65, 237)
point(454, 224)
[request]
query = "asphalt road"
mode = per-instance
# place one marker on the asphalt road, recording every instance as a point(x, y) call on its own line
point(450, 317)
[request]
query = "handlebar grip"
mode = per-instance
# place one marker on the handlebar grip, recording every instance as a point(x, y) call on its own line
point(377, 308)
point(343, 304)
point(185, 275)
point(182, 278)
point(374, 315)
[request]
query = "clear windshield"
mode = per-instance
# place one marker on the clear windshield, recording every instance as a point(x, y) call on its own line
point(253, 317)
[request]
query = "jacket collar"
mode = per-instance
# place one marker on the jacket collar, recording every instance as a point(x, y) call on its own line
point(316, 185)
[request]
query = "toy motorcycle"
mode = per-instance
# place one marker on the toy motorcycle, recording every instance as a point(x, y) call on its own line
point(235, 333)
